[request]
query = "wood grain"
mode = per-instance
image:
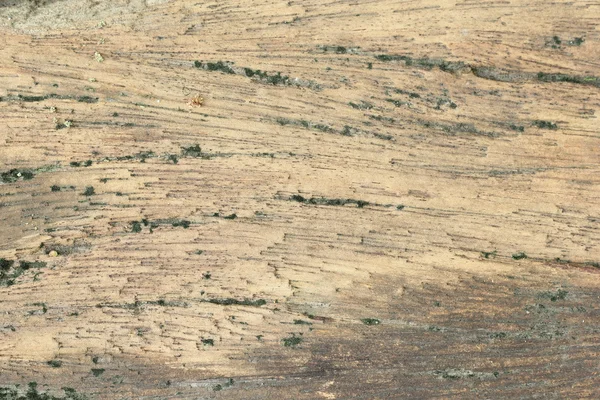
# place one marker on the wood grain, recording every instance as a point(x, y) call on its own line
point(373, 200)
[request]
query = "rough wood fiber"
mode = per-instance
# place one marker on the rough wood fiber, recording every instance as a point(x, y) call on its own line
point(300, 200)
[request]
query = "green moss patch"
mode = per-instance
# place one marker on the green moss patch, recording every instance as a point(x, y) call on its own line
point(236, 302)
point(10, 271)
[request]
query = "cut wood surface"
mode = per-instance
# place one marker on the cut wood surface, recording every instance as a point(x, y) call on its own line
point(299, 199)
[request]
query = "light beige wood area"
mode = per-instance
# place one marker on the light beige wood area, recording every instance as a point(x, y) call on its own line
point(300, 200)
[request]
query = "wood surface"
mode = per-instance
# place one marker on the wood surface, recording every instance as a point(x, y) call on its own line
point(299, 199)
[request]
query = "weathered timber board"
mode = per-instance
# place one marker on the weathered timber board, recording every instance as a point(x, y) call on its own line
point(299, 200)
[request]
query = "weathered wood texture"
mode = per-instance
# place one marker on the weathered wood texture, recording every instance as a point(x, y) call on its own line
point(375, 199)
